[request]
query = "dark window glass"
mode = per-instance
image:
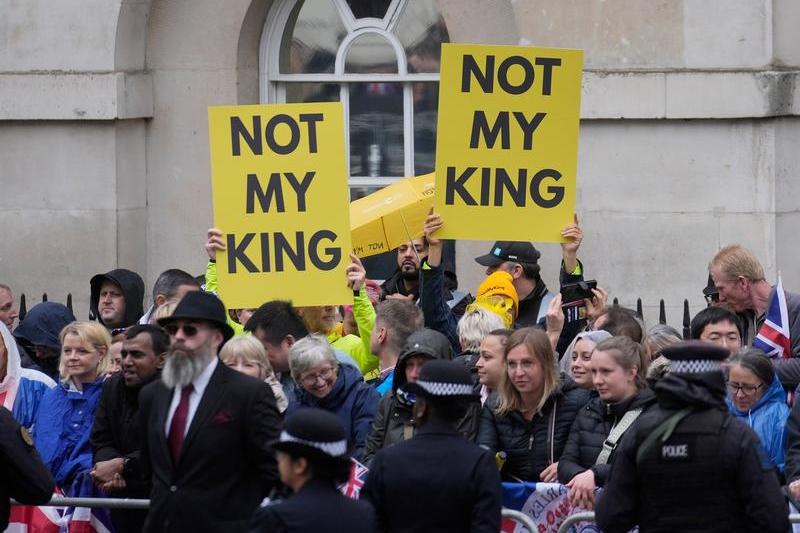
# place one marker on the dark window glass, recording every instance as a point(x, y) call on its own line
point(369, 8)
point(422, 31)
point(376, 129)
point(311, 39)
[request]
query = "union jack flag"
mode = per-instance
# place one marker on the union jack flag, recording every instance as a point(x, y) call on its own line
point(774, 337)
point(358, 475)
point(56, 519)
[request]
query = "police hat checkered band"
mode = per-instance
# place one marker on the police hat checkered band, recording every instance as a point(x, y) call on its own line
point(445, 389)
point(335, 448)
point(695, 366)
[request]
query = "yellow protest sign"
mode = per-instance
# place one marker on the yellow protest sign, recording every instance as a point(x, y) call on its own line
point(391, 216)
point(507, 141)
point(279, 182)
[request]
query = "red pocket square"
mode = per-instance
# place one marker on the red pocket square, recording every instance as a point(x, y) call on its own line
point(222, 417)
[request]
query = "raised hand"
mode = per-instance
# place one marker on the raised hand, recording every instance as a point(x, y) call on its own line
point(213, 243)
point(356, 273)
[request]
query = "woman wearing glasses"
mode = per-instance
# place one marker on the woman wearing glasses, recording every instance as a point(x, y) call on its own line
point(756, 397)
point(340, 389)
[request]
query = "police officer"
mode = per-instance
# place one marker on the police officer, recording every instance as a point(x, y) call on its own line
point(24, 476)
point(688, 464)
point(438, 480)
point(312, 460)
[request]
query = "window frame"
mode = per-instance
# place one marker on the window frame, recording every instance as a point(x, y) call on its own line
point(272, 83)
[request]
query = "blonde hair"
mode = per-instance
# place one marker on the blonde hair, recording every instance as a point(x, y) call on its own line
point(538, 345)
point(248, 348)
point(474, 326)
point(163, 311)
point(734, 261)
point(92, 333)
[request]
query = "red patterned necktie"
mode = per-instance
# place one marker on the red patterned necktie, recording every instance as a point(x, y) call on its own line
point(178, 427)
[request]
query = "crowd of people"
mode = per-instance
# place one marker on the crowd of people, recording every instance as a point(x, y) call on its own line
point(247, 419)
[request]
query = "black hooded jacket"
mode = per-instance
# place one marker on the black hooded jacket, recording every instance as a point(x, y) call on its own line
point(706, 475)
point(41, 327)
point(531, 447)
point(132, 290)
point(395, 285)
point(393, 423)
point(590, 430)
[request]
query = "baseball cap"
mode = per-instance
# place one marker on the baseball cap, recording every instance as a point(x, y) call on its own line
point(518, 252)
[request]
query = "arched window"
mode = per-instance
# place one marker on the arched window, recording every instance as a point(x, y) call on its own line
point(380, 58)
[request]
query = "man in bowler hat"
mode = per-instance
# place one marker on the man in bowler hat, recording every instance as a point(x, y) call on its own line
point(206, 429)
point(438, 480)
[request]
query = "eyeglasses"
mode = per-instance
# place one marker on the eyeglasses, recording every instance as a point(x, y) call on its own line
point(189, 330)
point(747, 390)
point(118, 331)
point(310, 379)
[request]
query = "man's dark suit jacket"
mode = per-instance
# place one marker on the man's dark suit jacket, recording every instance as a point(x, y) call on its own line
point(226, 467)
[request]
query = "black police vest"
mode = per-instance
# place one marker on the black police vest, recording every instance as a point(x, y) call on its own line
point(685, 482)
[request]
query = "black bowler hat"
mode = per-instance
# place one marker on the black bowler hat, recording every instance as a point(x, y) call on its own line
point(502, 251)
point(695, 357)
point(441, 380)
point(198, 305)
point(314, 434)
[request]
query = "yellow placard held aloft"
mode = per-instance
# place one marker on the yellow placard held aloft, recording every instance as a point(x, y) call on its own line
point(279, 182)
point(390, 216)
point(507, 141)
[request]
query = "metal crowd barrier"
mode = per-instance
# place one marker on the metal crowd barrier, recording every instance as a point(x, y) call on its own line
point(573, 519)
point(131, 503)
point(105, 503)
point(522, 518)
point(588, 516)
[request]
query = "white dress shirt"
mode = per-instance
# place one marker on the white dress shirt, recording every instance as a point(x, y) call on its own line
point(200, 383)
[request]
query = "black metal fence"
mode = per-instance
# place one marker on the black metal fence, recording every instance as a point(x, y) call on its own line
point(662, 313)
point(662, 310)
point(23, 306)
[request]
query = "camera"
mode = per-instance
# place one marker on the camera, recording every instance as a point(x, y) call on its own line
point(577, 292)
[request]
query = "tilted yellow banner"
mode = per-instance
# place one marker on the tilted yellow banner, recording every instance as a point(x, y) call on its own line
point(279, 182)
point(507, 141)
point(391, 216)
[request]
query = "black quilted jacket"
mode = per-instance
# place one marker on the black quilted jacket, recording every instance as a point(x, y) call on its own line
point(590, 430)
point(531, 447)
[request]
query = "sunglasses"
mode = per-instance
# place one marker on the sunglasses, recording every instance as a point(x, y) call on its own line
point(189, 330)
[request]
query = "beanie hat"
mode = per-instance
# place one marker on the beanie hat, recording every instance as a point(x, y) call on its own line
point(497, 294)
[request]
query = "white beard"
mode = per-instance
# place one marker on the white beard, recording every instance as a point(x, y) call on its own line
point(181, 368)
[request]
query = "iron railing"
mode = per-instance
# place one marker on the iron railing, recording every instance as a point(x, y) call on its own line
point(23, 306)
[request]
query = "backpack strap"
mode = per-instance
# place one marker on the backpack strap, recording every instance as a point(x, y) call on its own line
point(616, 433)
point(661, 433)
